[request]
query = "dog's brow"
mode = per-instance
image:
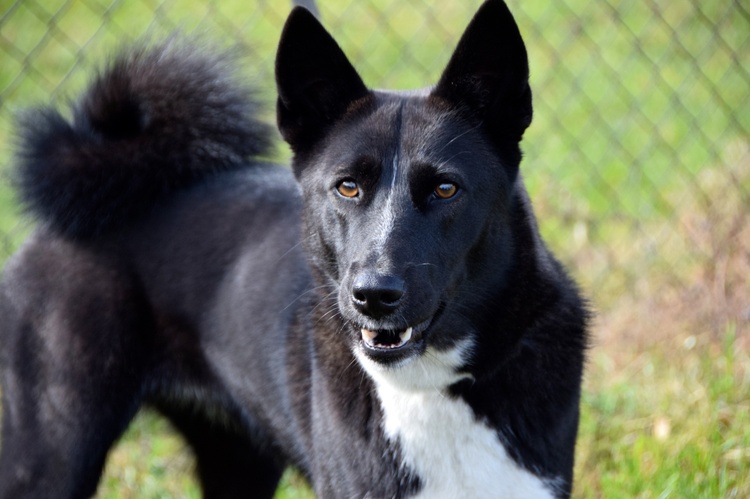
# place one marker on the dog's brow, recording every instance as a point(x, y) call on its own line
point(361, 165)
point(426, 167)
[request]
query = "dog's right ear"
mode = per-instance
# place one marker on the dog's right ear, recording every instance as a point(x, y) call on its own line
point(488, 78)
point(316, 82)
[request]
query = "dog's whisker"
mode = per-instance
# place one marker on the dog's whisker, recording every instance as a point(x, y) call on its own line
point(303, 294)
point(295, 246)
point(469, 130)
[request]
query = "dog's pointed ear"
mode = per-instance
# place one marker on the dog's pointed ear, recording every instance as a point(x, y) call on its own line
point(488, 74)
point(316, 82)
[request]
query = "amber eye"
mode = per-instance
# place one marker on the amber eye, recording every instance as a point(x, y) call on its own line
point(348, 189)
point(445, 190)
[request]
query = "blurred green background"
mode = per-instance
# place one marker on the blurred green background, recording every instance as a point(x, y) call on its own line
point(638, 162)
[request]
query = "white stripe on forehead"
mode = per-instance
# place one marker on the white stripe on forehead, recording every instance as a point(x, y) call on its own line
point(387, 219)
point(396, 158)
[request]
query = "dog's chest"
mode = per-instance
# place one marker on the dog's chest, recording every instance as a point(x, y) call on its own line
point(440, 439)
point(453, 454)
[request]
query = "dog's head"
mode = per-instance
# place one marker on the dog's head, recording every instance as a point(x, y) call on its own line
point(406, 193)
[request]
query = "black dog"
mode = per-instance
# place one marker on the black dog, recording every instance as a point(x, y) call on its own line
point(383, 316)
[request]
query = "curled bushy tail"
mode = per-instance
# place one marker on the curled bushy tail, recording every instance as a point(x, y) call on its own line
point(154, 121)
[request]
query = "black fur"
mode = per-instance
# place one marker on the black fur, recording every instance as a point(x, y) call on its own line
point(260, 308)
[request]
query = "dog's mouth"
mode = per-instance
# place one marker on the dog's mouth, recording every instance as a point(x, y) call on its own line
point(388, 345)
point(386, 339)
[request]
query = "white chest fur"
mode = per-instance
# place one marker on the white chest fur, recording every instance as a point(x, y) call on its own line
point(453, 453)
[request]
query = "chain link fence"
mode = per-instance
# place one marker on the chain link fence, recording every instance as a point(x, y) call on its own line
point(638, 160)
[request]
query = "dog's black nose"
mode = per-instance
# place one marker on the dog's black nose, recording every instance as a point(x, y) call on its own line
point(377, 295)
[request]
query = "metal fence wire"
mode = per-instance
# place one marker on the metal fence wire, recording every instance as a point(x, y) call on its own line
point(638, 160)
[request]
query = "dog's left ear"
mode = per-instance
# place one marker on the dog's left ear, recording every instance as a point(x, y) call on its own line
point(488, 74)
point(316, 82)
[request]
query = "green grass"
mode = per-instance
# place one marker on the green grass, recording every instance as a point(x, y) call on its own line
point(672, 423)
point(638, 162)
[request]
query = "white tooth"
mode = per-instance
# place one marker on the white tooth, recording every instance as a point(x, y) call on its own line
point(368, 336)
point(406, 335)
